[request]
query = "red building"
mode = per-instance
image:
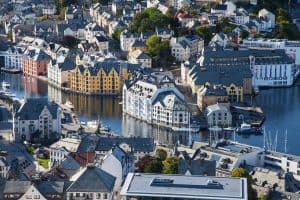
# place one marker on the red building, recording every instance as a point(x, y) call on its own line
point(35, 62)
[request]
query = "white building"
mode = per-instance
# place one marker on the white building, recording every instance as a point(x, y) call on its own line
point(91, 30)
point(241, 16)
point(60, 149)
point(13, 58)
point(182, 48)
point(59, 71)
point(4, 168)
point(264, 13)
point(155, 99)
point(292, 48)
point(140, 57)
point(218, 115)
point(127, 38)
point(221, 39)
point(37, 119)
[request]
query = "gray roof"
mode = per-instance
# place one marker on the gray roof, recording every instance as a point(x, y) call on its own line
point(69, 163)
point(93, 179)
point(32, 108)
point(184, 187)
point(19, 187)
point(138, 144)
point(197, 167)
point(88, 144)
point(50, 187)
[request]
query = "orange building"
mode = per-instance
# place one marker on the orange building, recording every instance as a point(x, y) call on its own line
point(35, 62)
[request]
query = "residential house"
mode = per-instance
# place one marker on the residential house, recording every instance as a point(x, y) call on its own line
point(221, 39)
point(91, 30)
point(62, 148)
point(45, 29)
point(218, 115)
point(241, 17)
point(127, 38)
point(60, 71)
point(37, 119)
point(140, 57)
point(267, 15)
point(35, 62)
point(13, 58)
point(4, 167)
point(199, 167)
point(26, 190)
point(91, 183)
point(137, 45)
point(164, 33)
point(182, 48)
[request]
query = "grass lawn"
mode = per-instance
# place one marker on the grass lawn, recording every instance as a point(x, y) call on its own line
point(44, 162)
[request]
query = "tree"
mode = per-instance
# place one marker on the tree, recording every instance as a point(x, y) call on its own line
point(170, 165)
point(241, 172)
point(205, 32)
point(70, 42)
point(9, 36)
point(161, 154)
point(154, 45)
point(244, 34)
point(149, 164)
point(148, 20)
point(154, 166)
point(117, 33)
point(262, 197)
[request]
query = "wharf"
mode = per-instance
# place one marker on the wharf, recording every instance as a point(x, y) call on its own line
point(11, 71)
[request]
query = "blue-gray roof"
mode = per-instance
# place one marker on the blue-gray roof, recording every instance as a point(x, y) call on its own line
point(137, 144)
point(32, 108)
point(93, 179)
point(197, 167)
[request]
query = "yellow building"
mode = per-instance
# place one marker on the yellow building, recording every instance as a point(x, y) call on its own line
point(102, 78)
point(137, 45)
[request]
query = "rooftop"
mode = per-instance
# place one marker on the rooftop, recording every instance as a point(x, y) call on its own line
point(183, 187)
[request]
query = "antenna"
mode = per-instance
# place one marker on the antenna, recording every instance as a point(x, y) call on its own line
point(285, 142)
point(275, 142)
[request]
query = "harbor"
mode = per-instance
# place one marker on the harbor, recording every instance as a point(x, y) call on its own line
point(108, 109)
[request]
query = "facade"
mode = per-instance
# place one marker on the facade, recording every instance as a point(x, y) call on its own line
point(269, 68)
point(218, 115)
point(60, 71)
point(183, 48)
point(13, 58)
point(104, 77)
point(127, 38)
point(159, 186)
point(4, 168)
point(35, 62)
point(60, 149)
point(264, 13)
point(211, 94)
point(292, 48)
point(91, 183)
point(140, 57)
point(37, 118)
point(155, 99)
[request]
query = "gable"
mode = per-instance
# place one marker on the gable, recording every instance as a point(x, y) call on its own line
point(32, 193)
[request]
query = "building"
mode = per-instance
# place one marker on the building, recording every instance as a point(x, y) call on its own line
point(35, 62)
point(26, 190)
point(13, 58)
point(127, 38)
point(138, 146)
point(60, 71)
point(140, 57)
point(265, 14)
point(103, 77)
point(269, 68)
point(91, 183)
point(218, 115)
point(37, 119)
point(60, 149)
point(211, 94)
point(292, 48)
point(4, 168)
point(198, 167)
point(118, 163)
point(154, 98)
point(161, 186)
point(182, 48)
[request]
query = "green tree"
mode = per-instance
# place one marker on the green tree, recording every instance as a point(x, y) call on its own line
point(262, 197)
point(161, 154)
point(9, 36)
point(148, 20)
point(117, 32)
point(205, 32)
point(244, 34)
point(170, 165)
point(154, 166)
point(155, 45)
point(241, 172)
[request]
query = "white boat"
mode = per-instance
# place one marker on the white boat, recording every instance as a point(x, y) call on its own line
point(93, 124)
point(247, 129)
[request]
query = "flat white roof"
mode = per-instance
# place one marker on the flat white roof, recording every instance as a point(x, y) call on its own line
point(185, 187)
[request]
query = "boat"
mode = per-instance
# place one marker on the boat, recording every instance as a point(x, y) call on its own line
point(93, 124)
point(247, 129)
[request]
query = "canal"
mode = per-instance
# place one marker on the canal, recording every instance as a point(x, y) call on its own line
point(280, 105)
